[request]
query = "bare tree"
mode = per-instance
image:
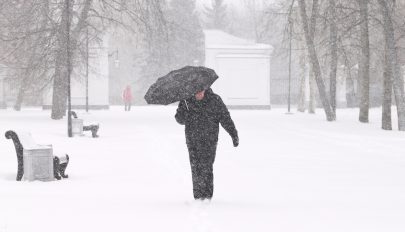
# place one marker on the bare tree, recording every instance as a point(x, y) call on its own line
point(386, 123)
point(334, 54)
point(25, 46)
point(314, 60)
point(312, 81)
point(35, 42)
point(392, 61)
point(60, 80)
point(364, 67)
point(303, 73)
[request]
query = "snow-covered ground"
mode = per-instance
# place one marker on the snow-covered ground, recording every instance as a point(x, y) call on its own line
point(290, 173)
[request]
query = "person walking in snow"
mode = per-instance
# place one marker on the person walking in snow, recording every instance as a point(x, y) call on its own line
point(127, 97)
point(201, 116)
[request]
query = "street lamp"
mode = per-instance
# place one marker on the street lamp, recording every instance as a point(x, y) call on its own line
point(68, 67)
point(289, 62)
point(290, 24)
point(87, 69)
point(117, 63)
point(116, 60)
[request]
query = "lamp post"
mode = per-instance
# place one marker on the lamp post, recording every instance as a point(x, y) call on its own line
point(87, 69)
point(289, 62)
point(112, 74)
point(116, 60)
point(68, 67)
point(290, 28)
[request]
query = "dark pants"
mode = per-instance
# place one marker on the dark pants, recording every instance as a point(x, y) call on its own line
point(127, 106)
point(202, 161)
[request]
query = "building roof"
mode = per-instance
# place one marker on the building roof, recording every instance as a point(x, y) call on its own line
point(221, 39)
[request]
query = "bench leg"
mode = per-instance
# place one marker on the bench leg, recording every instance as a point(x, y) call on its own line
point(56, 165)
point(20, 170)
point(62, 168)
point(93, 129)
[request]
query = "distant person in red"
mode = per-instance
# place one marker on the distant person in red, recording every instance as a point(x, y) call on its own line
point(127, 97)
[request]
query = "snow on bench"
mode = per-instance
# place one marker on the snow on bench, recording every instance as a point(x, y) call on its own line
point(36, 161)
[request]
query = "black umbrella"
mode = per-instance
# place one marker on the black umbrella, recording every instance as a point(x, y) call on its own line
point(180, 84)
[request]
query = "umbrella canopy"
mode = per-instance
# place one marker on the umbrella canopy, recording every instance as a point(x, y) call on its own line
point(180, 84)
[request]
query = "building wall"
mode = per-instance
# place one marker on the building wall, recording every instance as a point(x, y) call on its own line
point(127, 48)
point(244, 75)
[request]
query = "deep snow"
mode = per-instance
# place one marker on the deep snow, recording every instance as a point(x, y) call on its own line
point(290, 173)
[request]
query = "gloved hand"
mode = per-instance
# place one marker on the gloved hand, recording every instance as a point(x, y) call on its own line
point(235, 141)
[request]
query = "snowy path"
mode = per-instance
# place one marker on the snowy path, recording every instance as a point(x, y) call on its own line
point(290, 173)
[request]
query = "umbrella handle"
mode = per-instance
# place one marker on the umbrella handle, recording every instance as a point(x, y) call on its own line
point(186, 104)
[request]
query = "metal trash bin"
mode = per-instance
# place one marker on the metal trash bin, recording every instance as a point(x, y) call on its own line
point(38, 163)
point(77, 126)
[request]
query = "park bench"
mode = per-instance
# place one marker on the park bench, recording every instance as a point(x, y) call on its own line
point(78, 127)
point(35, 161)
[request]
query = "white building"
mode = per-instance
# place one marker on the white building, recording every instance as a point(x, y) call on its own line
point(243, 68)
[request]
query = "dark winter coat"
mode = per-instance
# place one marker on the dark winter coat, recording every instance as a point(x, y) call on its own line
point(202, 118)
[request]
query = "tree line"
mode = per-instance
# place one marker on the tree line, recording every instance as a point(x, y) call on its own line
point(366, 35)
point(36, 37)
point(361, 40)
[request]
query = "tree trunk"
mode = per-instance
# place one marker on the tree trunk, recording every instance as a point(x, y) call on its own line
point(25, 84)
point(364, 64)
point(392, 61)
point(312, 83)
point(60, 83)
point(401, 75)
point(334, 55)
point(20, 96)
point(21, 90)
point(315, 63)
point(350, 92)
point(60, 77)
point(387, 98)
point(303, 86)
point(312, 91)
